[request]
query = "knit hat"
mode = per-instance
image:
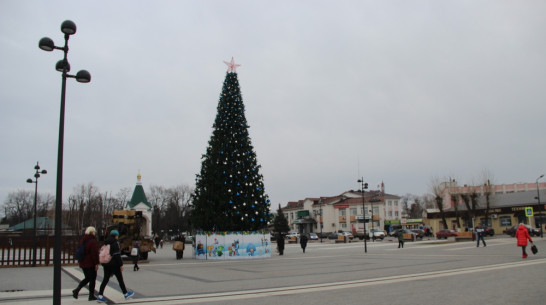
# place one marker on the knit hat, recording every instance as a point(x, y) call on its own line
point(114, 232)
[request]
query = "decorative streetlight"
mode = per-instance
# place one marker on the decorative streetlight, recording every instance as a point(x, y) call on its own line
point(68, 28)
point(540, 206)
point(29, 180)
point(364, 186)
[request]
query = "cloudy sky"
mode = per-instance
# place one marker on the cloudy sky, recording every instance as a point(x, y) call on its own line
point(393, 91)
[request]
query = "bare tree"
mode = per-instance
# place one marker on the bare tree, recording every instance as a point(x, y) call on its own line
point(427, 201)
point(474, 196)
point(406, 203)
point(83, 207)
point(437, 189)
point(19, 206)
point(454, 202)
point(488, 191)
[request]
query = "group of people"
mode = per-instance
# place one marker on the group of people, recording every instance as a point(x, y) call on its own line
point(90, 265)
point(280, 243)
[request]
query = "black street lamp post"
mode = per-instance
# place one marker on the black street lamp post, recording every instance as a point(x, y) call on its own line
point(68, 28)
point(36, 176)
point(364, 186)
point(320, 219)
point(540, 206)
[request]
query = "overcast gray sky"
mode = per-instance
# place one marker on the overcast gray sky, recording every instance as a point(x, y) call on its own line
point(394, 91)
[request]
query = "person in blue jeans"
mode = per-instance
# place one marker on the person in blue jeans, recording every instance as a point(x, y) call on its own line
point(479, 235)
point(114, 267)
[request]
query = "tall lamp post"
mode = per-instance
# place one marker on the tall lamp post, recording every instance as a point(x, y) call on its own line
point(540, 206)
point(364, 186)
point(29, 180)
point(68, 28)
point(320, 219)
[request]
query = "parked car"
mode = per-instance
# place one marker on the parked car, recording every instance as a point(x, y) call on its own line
point(446, 233)
point(419, 233)
point(333, 235)
point(349, 235)
point(290, 235)
point(512, 231)
point(322, 235)
point(404, 231)
point(377, 234)
point(488, 231)
point(313, 236)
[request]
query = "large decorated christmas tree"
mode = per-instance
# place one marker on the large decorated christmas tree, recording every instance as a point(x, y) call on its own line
point(229, 192)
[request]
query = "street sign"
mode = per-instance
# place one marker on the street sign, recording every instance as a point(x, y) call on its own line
point(529, 211)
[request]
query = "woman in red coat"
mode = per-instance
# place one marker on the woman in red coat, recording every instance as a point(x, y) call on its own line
point(89, 264)
point(522, 235)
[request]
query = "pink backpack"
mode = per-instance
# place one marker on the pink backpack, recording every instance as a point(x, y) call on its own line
point(104, 254)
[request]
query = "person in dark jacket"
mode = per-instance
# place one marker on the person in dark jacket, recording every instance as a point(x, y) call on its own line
point(89, 264)
point(479, 235)
point(400, 238)
point(303, 242)
point(136, 250)
point(180, 253)
point(114, 267)
point(280, 243)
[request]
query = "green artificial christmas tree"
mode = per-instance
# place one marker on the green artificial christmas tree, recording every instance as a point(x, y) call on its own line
point(229, 192)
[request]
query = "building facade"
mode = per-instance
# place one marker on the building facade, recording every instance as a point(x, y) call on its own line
point(140, 203)
point(506, 209)
point(448, 189)
point(344, 212)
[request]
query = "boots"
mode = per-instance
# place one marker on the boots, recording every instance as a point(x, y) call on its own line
point(75, 292)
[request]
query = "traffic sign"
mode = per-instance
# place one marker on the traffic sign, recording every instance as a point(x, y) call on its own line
point(529, 211)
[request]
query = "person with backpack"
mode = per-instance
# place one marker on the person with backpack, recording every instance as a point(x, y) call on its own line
point(89, 262)
point(113, 267)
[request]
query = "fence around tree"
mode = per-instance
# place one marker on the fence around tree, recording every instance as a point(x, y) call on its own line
point(16, 251)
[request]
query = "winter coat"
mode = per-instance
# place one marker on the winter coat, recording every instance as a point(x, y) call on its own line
point(280, 242)
point(303, 241)
point(522, 235)
point(91, 258)
point(401, 235)
point(115, 252)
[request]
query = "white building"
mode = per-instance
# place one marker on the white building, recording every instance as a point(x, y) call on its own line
point(344, 212)
point(140, 203)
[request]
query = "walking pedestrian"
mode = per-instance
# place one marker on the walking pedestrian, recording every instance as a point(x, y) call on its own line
point(180, 252)
point(89, 264)
point(400, 238)
point(135, 253)
point(522, 235)
point(303, 242)
point(157, 239)
point(280, 243)
point(479, 235)
point(114, 267)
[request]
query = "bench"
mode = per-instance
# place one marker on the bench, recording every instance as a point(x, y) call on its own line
point(409, 236)
point(465, 236)
point(341, 239)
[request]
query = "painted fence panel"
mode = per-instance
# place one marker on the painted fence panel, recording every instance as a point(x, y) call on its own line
point(232, 245)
